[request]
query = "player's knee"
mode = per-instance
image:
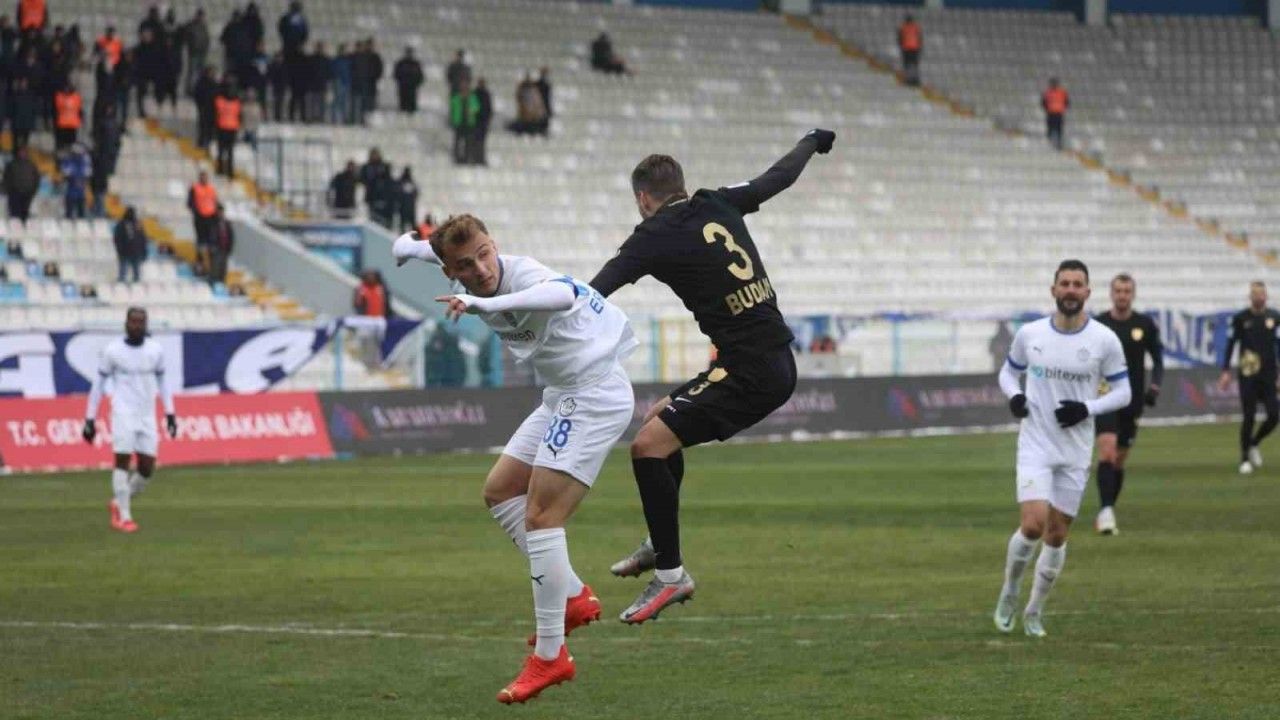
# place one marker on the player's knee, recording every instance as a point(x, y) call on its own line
point(540, 517)
point(495, 493)
point(1032, 528)
point(1055, 536)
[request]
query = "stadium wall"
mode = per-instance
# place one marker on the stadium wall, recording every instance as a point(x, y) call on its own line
point(1255, 8)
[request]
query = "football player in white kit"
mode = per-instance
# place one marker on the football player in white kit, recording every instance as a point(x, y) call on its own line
point(1067, 357)
point(134, 365)
point(575, 340)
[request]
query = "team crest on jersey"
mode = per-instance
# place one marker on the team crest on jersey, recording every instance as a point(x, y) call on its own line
point(566, 407)
point(1083, 354)
point(1137, 334)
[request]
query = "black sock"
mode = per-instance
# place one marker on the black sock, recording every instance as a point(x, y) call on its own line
point(1107, 489)
point(675, 463)
point(1119, 484)
point(1267, 426)
point(661, 500)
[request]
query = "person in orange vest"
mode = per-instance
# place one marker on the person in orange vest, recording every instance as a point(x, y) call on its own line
point(32, 15)
point(1055, 102)
point(226, 113)
point(110, 48)
point(202, 200)
point(68, 109)
point(371, 295)
point(426, 227)
point(910, 43)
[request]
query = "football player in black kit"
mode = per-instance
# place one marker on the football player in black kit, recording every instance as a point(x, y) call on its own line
point(1139, 336)
point(699, 246)
point(1254, 329)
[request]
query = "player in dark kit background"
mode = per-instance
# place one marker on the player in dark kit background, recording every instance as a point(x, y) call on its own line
point(699, 246)
point(1139, 336)
point(1254, 329)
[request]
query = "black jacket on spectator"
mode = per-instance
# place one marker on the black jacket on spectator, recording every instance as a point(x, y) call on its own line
point(408, 74)
point(343, 190)
point(130, 240)
point(293, 32)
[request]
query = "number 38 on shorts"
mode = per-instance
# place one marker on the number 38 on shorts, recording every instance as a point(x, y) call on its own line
point(558, 431)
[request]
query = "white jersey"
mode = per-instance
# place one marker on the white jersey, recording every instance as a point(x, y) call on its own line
point(567, 348)
point(1063, 366)
point(132, 376)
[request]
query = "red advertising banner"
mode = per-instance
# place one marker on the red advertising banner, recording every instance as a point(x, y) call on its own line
point(45, 434)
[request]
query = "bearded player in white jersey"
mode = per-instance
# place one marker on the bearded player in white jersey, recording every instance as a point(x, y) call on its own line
point(1066, 358)
point(134, 367)
point(576, 341)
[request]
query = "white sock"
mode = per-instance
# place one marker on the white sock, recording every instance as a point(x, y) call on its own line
point(120, 488)
point(1048, 567)
point(1016, 560)
point(510, 515)
point(549, 570)
point(137, 483)
point(670, 576)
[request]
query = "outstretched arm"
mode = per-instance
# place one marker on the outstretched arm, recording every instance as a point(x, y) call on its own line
point(552, 295)
point(408, 247)
point(748, 196)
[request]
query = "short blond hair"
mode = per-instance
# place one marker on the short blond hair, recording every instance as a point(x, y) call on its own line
point(457, 230)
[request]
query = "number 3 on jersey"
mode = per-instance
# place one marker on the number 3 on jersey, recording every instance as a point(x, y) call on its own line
point(715, 232)
point(558, 433)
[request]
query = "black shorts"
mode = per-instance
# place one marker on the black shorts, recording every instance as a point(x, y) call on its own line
point(730, 396)
point(1124, 423)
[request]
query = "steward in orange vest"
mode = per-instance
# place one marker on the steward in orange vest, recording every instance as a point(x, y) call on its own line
point(910, 44)
point(68, 115)
point(1055, 102)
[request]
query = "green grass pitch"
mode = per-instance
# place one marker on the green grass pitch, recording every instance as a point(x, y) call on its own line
point(835, 580)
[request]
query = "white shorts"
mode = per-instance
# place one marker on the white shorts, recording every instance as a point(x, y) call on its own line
point(573, 430)
point(134, 434)
point(1059, 484)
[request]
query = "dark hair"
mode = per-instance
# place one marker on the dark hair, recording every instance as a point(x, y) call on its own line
point(457, 230)
point(1071, 265)
point(660, 176)
point(1258, 283)
point(135, 309)
point(1124, 278)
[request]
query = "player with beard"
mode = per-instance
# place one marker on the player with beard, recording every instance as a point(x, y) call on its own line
point(1140, 336)
point(1255, 329)
point(1066, 357)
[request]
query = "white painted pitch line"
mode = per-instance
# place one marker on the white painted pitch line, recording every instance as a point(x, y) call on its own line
point(308, 631)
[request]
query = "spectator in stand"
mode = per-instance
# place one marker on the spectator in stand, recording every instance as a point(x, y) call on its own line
point(531, 114)
point(131, 244)
point(294, 32)
point(340, 70)
point(168, 72)
point(379, 188)
point(152, 23)
point(106, 152)
point(21, 181)
point(604, 59)
point(99, 180)
point(484, 116)
point(319, 76)
point(232, 38)
point(361, 80)
point(255, 75)
point(32, 72)
point(206, 89)
point(370, 298)
point(278, 79)
point(195, 35)
point(458, 72)
point(910, 44)
point(544, 89)
point(342, 191)
point(69, 107)
point(823, 345)
point(109, 48)
point(122, 81)
point(300, 82)
point(8, 58)
point(426, 227)
point(376, 69)
point(32, 15)
point(251, 118)
point(407, 200)
point(464, 109)
point(202, 200)
point(150, 59)
point(22, 105)
point(409, 77)
point(1055, 102)
point(76, 169)
point(227, 116)
point(221, 245)
point(254, 31)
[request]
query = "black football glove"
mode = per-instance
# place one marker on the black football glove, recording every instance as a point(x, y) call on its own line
point(1151, 396)
point(824, 138)
point(171, 424)
point(1071, 412)
point(89, 432)
point(1018, 406)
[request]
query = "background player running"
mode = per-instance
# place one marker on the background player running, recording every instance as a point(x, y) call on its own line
point(1139, 336)
point(576, 341)
point(699, 246)
point(134, 367)
point(1066, 357)
point(1255, 329)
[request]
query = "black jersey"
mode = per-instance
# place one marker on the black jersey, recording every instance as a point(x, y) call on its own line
point(1139, 335)
point(1256, 334)
point(700, 247)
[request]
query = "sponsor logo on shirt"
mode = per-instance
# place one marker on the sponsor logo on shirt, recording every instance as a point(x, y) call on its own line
point(519, 336)
point(1053, 373)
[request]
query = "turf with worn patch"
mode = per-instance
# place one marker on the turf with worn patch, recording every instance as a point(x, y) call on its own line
point(835, 580)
